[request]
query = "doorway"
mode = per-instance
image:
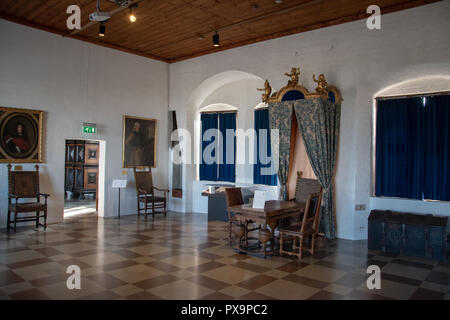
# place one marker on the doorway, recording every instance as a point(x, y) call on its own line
point(81, 170)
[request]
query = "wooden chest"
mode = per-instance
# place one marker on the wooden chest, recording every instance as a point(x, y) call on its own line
point(408, 234)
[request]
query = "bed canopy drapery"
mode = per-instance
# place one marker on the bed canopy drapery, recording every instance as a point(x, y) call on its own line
point(317, 115)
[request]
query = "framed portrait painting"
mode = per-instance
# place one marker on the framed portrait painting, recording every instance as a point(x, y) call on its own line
point(20, 135)
point(139, 142)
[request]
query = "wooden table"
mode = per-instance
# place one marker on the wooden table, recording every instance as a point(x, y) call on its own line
point(272, 213)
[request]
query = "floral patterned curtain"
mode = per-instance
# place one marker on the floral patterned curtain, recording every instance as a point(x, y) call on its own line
point(319, 122)
point(280, 118)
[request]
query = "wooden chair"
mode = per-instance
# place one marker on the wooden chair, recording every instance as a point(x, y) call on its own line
point(145, 191)
point(25, 185)
point(308, 228)
point(234, 198)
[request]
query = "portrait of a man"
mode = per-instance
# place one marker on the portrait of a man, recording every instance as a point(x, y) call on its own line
point(20, 135)
point(139, 142)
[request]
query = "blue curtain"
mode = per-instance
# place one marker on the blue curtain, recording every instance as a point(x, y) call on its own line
point(208, 171)
point(399, 148)
point(227, 164)
point(437, 148)
point(263, 146)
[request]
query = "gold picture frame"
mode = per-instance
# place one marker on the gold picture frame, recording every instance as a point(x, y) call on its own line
point(21, 135)
point(139, 140)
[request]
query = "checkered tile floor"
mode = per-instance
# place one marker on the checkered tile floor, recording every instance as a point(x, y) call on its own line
point(183, 256)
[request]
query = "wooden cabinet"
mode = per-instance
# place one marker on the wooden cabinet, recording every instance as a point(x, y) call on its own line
point(408, 234)
point(81, 173)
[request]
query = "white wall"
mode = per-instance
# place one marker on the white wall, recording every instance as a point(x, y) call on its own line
point(413, 43)
point(75, 82)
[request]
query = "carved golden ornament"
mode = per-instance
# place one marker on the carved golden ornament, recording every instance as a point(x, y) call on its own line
point(267, 90)
point(295, 72)
point(321, 85)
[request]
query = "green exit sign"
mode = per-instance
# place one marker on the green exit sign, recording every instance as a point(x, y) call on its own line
point(89, 128)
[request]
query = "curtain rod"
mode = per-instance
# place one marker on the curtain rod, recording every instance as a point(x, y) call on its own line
point(439, 93)
point(211, 112)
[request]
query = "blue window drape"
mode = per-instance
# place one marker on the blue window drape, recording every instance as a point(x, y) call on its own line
point(437, 148)
point(208, 171)
point(227, 122)
point(399, 148)
point(263, 147)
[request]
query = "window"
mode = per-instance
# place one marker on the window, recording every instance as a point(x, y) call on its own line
point(218, 146)
point(263, 150)
point(413, 148)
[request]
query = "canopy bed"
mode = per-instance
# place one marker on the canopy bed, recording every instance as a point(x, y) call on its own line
point(317, 116)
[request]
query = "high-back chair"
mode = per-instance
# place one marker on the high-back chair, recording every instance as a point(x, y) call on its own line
point(25, 185)
point(309, 227)
point(145, 192)
point(234, 198)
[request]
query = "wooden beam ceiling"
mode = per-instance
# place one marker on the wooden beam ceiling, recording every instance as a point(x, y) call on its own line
point(176, 30)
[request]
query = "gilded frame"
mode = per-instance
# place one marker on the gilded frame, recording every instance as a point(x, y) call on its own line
point(36, 119)
point(124, 137)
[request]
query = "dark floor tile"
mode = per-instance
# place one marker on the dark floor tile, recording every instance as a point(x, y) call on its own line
point(217, 296)
point(28, 263)
point(351, 280)
point(439, 277)
point(73, 261)
point(166, 254)
point(292, 266)
point(107, 281)
point(134, 244)
point(404, 280)
point(425, 294)
point(256, 282)
point(250, 266)
point(47, 280)
point(32, 294)
point(103, 295)
point(413, 264)
point(9, 277)
point(118, 265)
point(208, 255)
point(162, 266)
point(143, 295)
point(255, 296)
point(49, 251)
point(208, 282)
point(155, 282)
point(363, 295)
point(127, 254)
point(84, 253)
point(306, 281)
point(325, 295)
point(333, 265)
point(206, 267)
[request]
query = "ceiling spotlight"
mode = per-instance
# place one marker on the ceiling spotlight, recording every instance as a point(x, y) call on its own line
point(102, 30)
point(216, 40)
point(132, 16)
point(278, 1)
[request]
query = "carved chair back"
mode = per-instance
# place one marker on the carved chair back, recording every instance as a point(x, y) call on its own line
point(23, 184)
point(310, 222)
point(233, 196)
point(144, 181)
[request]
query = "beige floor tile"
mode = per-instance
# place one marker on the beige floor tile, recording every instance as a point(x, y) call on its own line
point(182, 274)
point(39, 271)
point(126, 290)
point(335, 288)
point(391, 289)
point(230, 274)
point(59, 291)
point(320, 273)
point(234, 291)
point(135, 273)
point(185, 261)
point(19, 256)
point(180, 290)
point(149, 249)
point(101, 259)
point(17, 287)
point(221, 251)
point(276, 273)
point(287, 290)
point(434, 286)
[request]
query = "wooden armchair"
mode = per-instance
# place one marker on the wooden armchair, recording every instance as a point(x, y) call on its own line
point(308, 228)
point(145, 192)
point(25, 185)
